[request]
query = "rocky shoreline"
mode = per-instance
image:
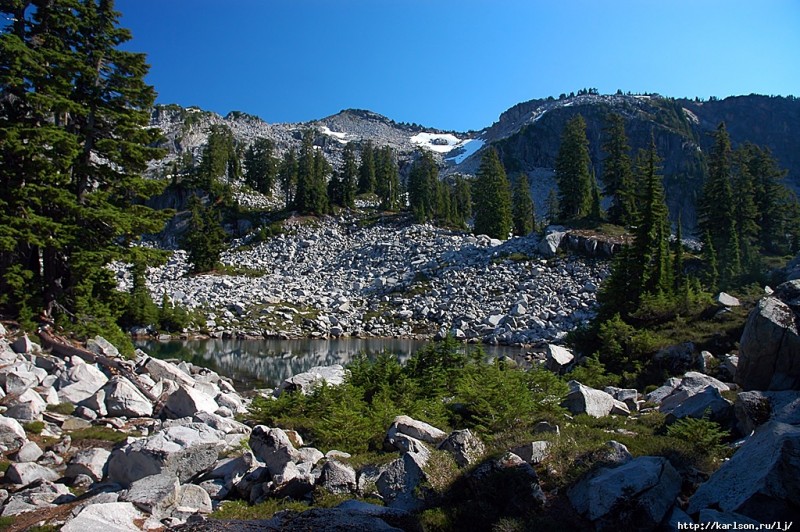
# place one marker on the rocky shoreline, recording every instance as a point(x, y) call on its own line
point(353, 276)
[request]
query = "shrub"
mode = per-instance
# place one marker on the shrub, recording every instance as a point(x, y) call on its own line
point(62, 408)
point(703, 436)
point(34, 427)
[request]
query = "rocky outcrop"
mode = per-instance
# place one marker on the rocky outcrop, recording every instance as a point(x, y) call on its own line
point(760, 481)
point(596, 403)
point(636, 495)
point(769, 350)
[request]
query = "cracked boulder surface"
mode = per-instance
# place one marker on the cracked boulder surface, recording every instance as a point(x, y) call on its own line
point(769, 351)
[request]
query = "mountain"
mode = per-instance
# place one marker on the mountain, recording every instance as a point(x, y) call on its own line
point(527, 136)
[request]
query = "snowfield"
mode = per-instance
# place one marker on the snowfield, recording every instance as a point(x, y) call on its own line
point(438, 142)
point(338, 136)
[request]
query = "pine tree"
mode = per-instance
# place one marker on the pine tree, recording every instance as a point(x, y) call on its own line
point(287, 175)
point(573, 171)
point(461, 201)
point(312, 171)
point(423, 188)
point(711, 263)
point(219, 160)
point(75, 141)
point(204, 239)
point(261, 167)
point(492, 208)
point(387, 178)
point(715, 210)
point(552, 206)
point(522, 207)
point(745, 213)
point(680, 282)
point(617, 173)
point(349, 176)
point(596, 212)
point(366, 172)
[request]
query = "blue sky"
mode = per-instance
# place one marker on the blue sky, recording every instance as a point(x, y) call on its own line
point(456, 64)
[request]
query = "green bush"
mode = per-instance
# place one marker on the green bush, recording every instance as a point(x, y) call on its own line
point(703, 436)
point(34, 427)
point(62, 408)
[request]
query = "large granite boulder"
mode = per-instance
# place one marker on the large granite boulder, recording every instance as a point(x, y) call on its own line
point(106, 517)
point(760, 481)
point(596, 403)
point(755, 408)
point(122, 398)
point(465, 447)
point(769, 350)
point(308, 380)
point(636, 495)
point(183, 450)
point(400, 481)
point(273, 447)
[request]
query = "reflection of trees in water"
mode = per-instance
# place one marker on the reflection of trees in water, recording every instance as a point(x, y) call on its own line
point(272, 361)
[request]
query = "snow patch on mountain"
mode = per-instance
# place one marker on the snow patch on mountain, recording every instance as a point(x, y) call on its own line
point(338, 136)
point(467, 148)
point(438, 142)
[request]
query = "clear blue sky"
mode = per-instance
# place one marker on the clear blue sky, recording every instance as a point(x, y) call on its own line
point(456, 64)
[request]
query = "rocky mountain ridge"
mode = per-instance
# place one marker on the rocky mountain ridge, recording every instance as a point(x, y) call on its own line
point(527, 136)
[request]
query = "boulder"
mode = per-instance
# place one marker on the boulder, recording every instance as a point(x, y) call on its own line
point(27, 406)
point(416, 429)
point(466, 448)
point(635, 495)
point(596, 403)
point(534, 452)
point(629, 396)
point(80, 382)
point(226, 425)
point(308, 380)
point(273, 447)
point(548, 246)
point(29, 452)
point(697, 405)
point(101, 346)
point(23, 345)
point(12, 435)
point(761, 481)
point(122, 398)
point(769, 350)
point(90, 462)
point(186, 401)
point(558, 358)
point(183, 450)
point(310, 455)
point(292, 482)
point(162, 370)
point(193, 499)
point(337, 477)
point(154, 494)
point(28, 472)
point(678, 358)
point(106, 517)
point(727, 300)
point(400, 481)
point(39, 495)
point(754, 408)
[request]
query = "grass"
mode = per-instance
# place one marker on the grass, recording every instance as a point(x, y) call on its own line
point(62, 408)
point(34, 427)
point(265, 510)
point(99, 433)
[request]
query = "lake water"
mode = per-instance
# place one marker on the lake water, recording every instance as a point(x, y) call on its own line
point(254, 363)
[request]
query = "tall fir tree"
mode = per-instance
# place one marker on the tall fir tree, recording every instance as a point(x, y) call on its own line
point(492, 198)
point(387, 177)
point(552, 206)
point(260, 165)
point(204, 239)
point(349, 176)
point(312, 171)
point(287, 175)
point(522, 207)
point(617, 172)
point(573, 174)
point(423, 186)
point(74, 141)
point(218, 162)
point(715, 210)
point(366, 171)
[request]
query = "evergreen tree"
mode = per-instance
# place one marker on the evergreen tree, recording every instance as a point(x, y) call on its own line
point(423, 186)
point(366, 172)
point(651, 245)
point(261, 167)
point(596, 212)
point(711, 263)
point(679, 268)
point(141, 309)
point(387, 178)
point(349, 176)
point(715, 209)
point(204, 239)
point(522, 207)
point(573, 174)
point(745, 213)
point(219, 160)
point(312, 171)
point(74, 141)
point(287, 174)
point(492, 208)
point(617, 173)
point(462, 201)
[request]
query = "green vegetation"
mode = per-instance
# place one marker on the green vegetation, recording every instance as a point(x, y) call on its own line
point(522, 207)
point(62, 408)
point(261, 166)
point(492, 197)
point(573, 172)
point(264, 510)
point(99, 433)
point(34, 427)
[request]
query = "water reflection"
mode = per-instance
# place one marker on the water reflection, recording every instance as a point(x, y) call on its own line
point(268, 362)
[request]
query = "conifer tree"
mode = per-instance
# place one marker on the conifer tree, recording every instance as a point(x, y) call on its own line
point(522, 207)
point(461, 201)
point(679, 275)
point(349, 176)
point(573, 171)
point(617, 173)
point(715, 209)
point(261, 167)
point(596, 212)
point(423, 188)
point(219, 160)
point(492, 208)
point(366, 172)
point(287, 175)
point(204, 239)
point(312, 171)
point(75, 141)
point(387, 178)
point(745, 213)
point(552, 206)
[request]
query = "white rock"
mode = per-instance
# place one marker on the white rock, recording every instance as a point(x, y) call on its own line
point(25, 473)
point(124, 399)
point(186, 401)
point(81, 382)
point(90, 462)
point(106, 517)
